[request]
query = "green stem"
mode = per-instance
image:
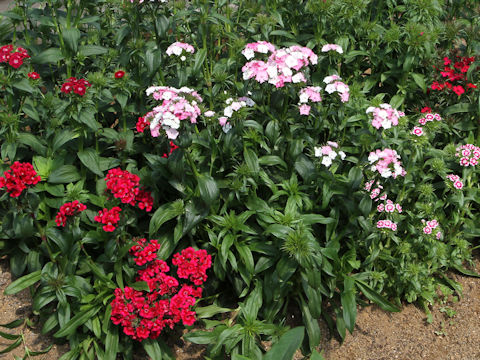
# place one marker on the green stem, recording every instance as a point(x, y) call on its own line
point(188, 156)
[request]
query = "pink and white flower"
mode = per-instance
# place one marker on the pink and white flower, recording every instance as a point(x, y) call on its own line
point(332, 47)
point(384, 116)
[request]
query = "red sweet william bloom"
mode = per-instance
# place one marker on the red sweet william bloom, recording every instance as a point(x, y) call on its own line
point(18, 178)
point(471, 86)
point(144, 200)
point(437, 86)
point(142, 123)
point(68, 209)
point(192, 265)
point(426, 109)
point(34, 75)
point(446, 61)
point(109, 218)
point(459, 90)
point(123, 185)
point(119, 74)
point(16, 60)
point(79, 86)
point(79, 89)
point(144, 252)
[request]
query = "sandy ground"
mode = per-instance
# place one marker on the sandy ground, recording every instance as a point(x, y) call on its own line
point(5, 4)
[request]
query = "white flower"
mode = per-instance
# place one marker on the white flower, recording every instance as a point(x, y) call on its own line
point(326, 161)
point(228, 112)
point(183, 58)
point(332, 154)
point(318, 151)
point(342, 154)
point(248, 53)
point(226, 128)
point(303, 97)
point(372, 158)
point(298, 77)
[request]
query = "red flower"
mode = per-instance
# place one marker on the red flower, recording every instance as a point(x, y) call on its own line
point(34, 75)
point(119, 74)
point(459, 90)
point(16, 60)
point(66, 87)
point(142, 123)
point(471, 86)
point(18, 178)
point(109, 218)
point(68, 209)
point(426, 109)
point(79, 89)
point(446, 61)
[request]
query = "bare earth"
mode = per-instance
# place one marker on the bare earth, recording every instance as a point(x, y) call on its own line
point(378, 335)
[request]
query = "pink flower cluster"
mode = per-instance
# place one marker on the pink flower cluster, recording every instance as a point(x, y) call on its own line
point(177, 48)
point(430, 226)
point(283, 65)
point(328, 154)
point(109, 218)
point(18, 178)
point(334, 85)
point(468, 154)
point(233, 106)
point(144, 314)
point(429, 117)
point(68, 209)
point(386, 224)
point(384, 116)
point(332, 47)
point(310, 93)
point(457, 183)
point(177, 105)
point(387, 163)
point(375, 192)
point(389, 207)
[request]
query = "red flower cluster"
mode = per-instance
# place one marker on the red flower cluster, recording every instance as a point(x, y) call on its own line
point(18, 178)
point(34, 75)
point(144, 252)
point(125, 186)
point(456, 80)
point(69, 209)
point(119, 74)
point(145, 314)
point(15, 59)
point(173, 147)
point(426, 109)
point(142, 123)
point(109, 218)
point(192, 265)
point(79, 86)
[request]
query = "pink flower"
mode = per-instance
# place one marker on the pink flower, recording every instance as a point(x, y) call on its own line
point(458, 185)
point(332, 47)
point(427, 230)
point(417, 131)
point(304, 109)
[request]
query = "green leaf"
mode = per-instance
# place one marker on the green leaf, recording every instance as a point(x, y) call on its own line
point(89, 50)
point(459, 108)
point(51, 55)
point(13, 324)
point(282, 33)
point(272, 160)
point(420, 81)
point(90, 159)
point(375, 297)
point(153, 60)
point(287, 345)
point(349, 303)
point(9, 336)
point(23, 283)
point(79, 319)
point(310, 219)
point(24, 85)
point(165, 213)
point(200, 337)
point(251, 160)
point(153, 349)
point(71, 37)
point(61, 138)
point(313, 330)
point(32, 141)
point(64, 174)
point(466, 271)
point(208, 188)
point(199, 60)
point(12, 346)
point(316, 356)
point(111, 343)
point(210, 310)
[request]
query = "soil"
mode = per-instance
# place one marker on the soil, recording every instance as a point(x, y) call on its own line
point(378, 335)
